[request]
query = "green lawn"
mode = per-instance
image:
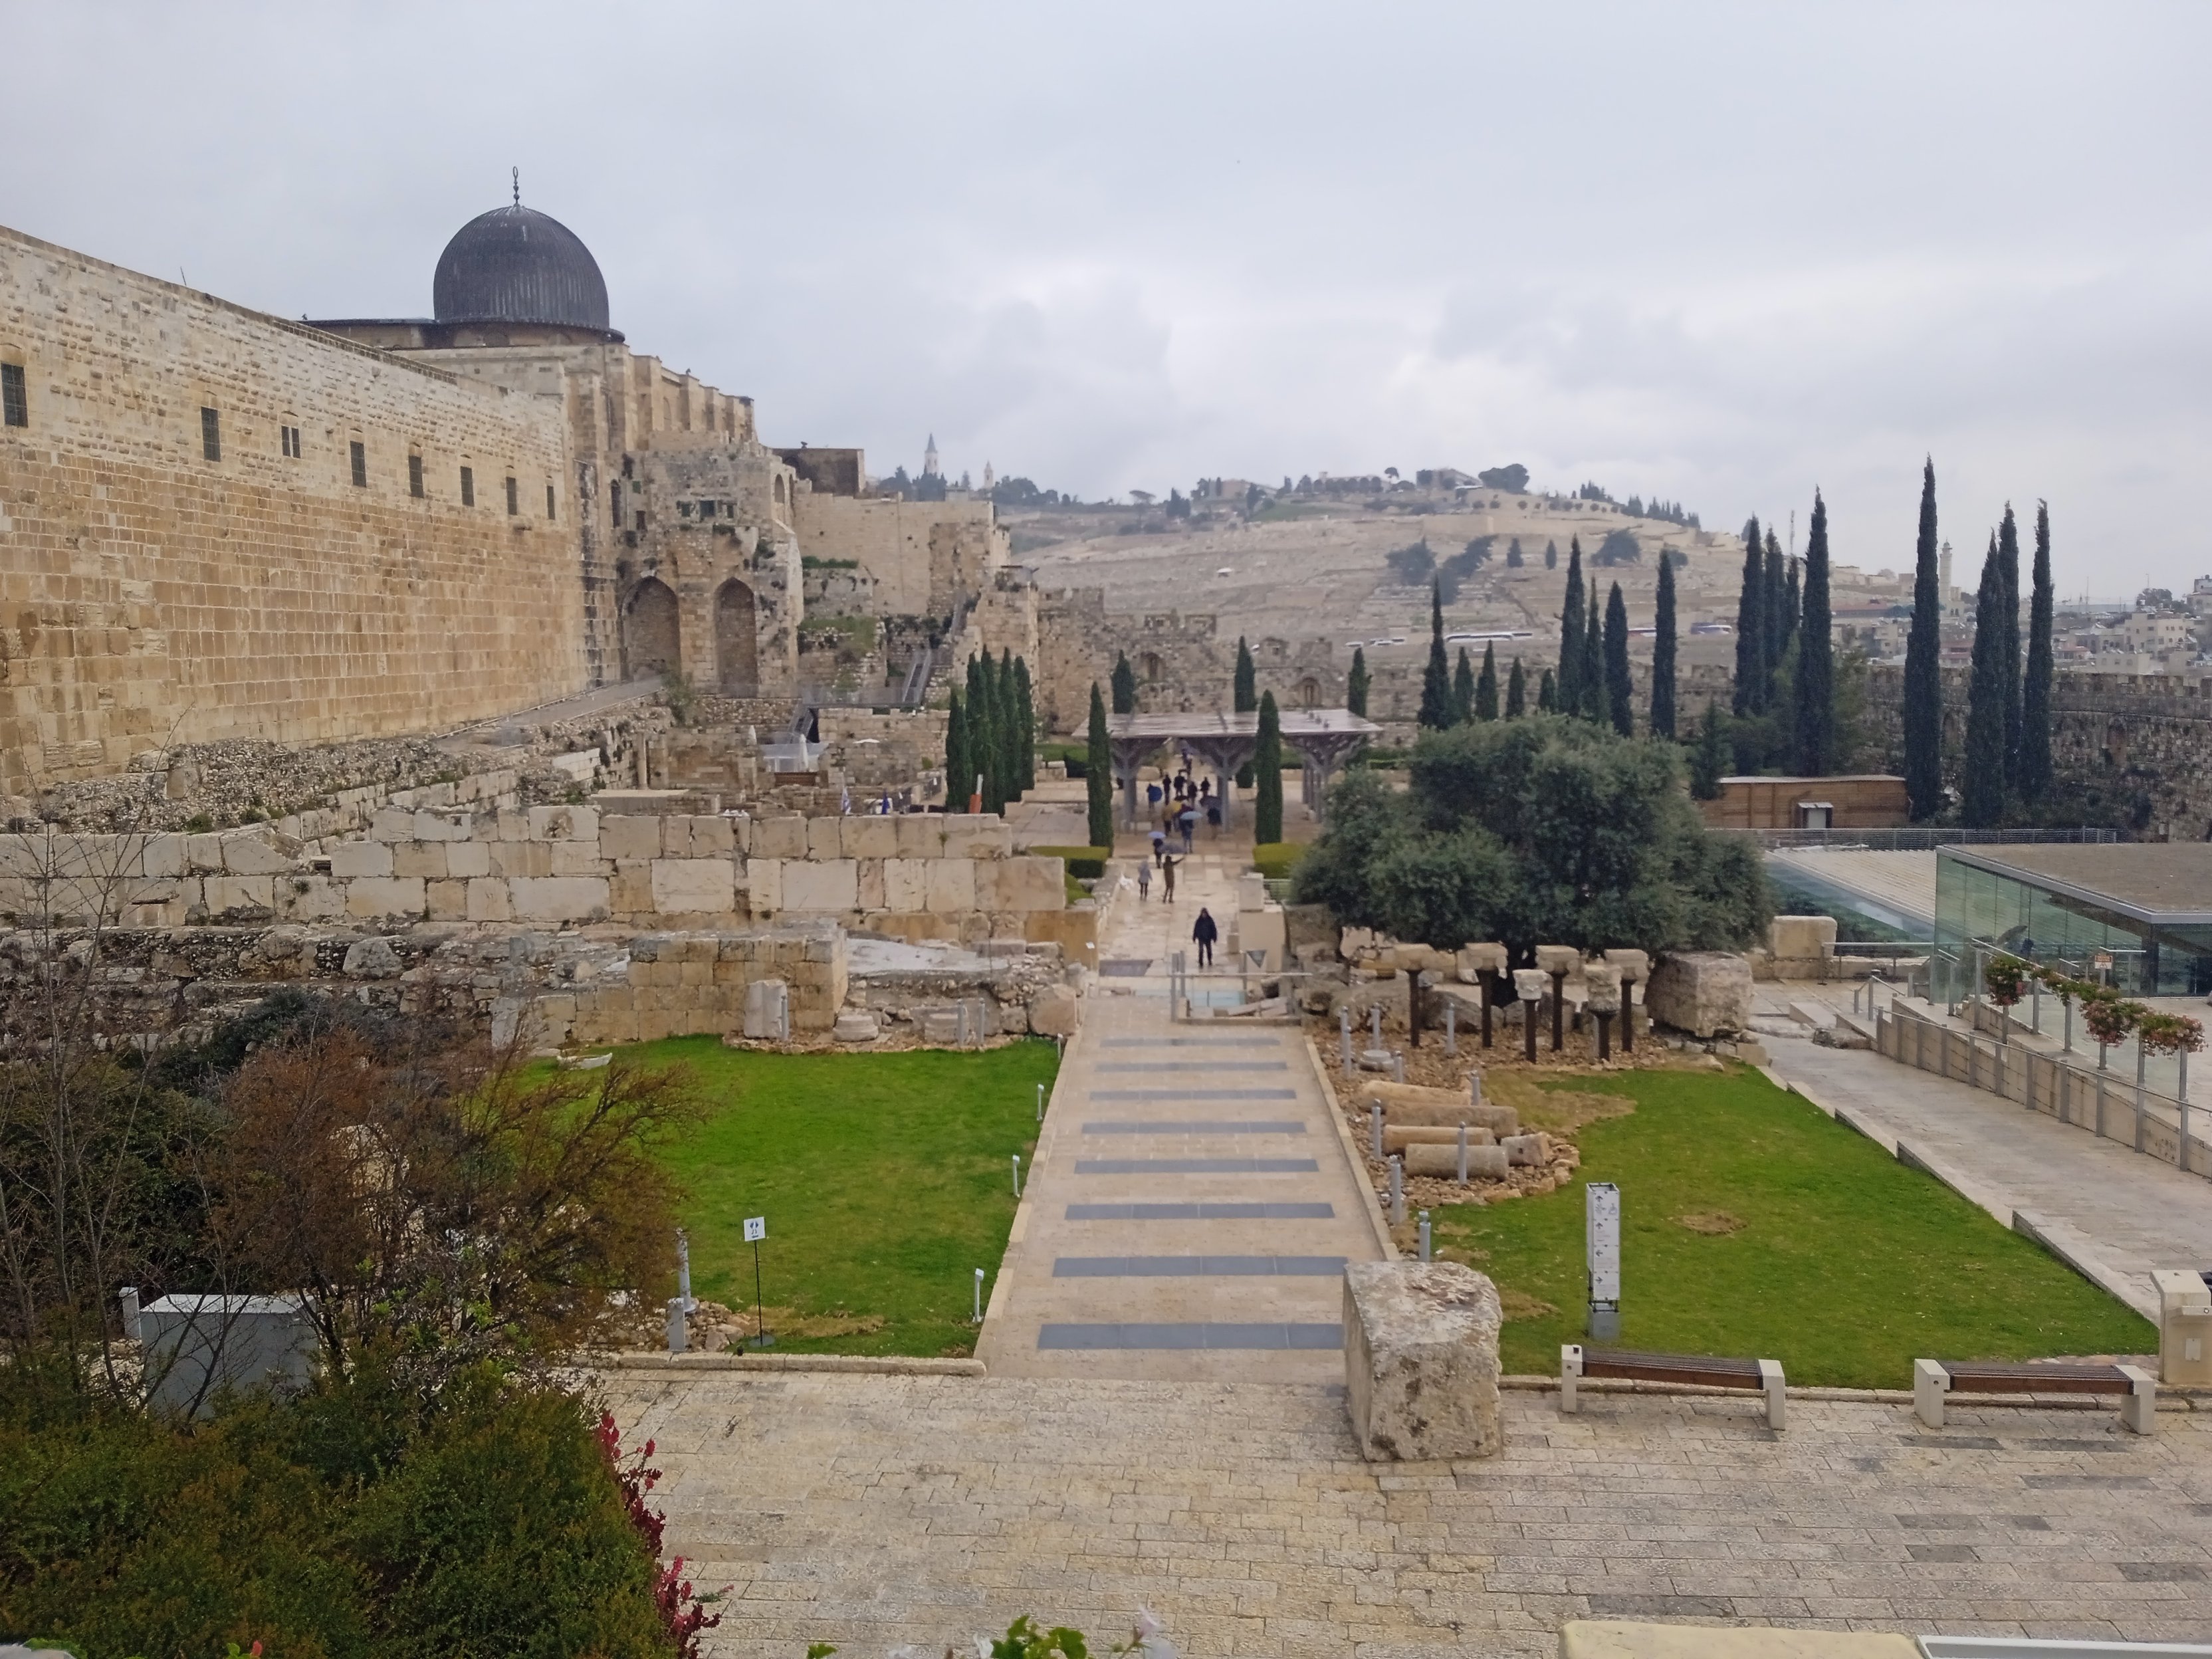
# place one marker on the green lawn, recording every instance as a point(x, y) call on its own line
point(1846, 1265)
point(885, 1180)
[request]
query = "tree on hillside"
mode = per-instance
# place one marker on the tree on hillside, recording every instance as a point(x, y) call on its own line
point(1982, 776)
point(1548, 695)
point(1551, 556)
point(1662, 656)
point(1517, 692)
point(1125, 685)
point(1435, 710)
point(1571, 633)
point(1619, 688)
point(1709, 759)
point(2035, 773)
point(1537, 830)
point(1245, 696)
point(1751, 625)
point(2009, 641)
point(959, 761)
point(1793, 604)
point(1463, 688)
point(982, 730)
point(1815, 674)
point(1013, 744)
point(1098, 774)
point(1774, 637)
point(1486, 686)
point(1025, 724)
point(1592, 664)
point(1922, 709)
point(1356, 684)
point(1267, 763)
point(1513, 560)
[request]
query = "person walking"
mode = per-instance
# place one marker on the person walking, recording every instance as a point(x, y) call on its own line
point(1159, 845)
point(1187, 819)
point(1205, 933)
point(1167, 875)
point(1143, 882)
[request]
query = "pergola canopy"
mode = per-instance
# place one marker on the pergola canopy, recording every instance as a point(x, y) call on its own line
point(1227, 743)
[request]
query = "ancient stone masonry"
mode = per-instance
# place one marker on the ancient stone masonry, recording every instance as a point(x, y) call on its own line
point(1184, 664)
point(210, 529)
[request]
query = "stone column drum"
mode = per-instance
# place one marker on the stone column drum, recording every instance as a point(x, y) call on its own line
point(1421, 1360)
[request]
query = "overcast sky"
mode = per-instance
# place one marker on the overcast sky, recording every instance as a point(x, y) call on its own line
point(1717, 254)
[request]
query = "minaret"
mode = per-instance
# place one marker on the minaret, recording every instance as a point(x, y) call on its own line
point(929, 458)
point(991, 477)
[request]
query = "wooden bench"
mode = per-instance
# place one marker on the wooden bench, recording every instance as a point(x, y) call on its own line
point(1934, 1378)
point(1705, 1371)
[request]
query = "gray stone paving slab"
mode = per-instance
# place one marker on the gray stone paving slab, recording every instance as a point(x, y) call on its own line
point(1117, 1166)
point(1197, 1266)
point(874, 1510)
point(1194, 1094)
point(1217, 1210)
point(1191, 1043)
point(1196, 1126)
point(1210, 1334)
point(1186, 1066)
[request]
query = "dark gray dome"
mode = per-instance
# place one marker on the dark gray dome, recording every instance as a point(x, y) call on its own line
point(515, 264)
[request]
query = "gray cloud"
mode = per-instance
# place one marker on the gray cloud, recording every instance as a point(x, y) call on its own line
point(1716, 252)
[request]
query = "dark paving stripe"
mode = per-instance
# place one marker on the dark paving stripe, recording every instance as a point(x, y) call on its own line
point(1196, 1166)
point(1125, 966)
point(1190, 1043)
point(1194, 1094)
point(1198, 1266)
point(1182, 1066)
point(1271, 1336)
point(1217, 1211)
point(1196, 1126)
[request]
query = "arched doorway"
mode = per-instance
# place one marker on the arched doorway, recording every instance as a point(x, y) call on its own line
point(651, 635)
point(1309, 693)
point(737, 645)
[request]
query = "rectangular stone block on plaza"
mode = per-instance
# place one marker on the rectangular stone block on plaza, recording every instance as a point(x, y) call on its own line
point(1421, 1360)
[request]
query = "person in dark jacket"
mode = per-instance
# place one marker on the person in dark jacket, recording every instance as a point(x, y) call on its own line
point(1205, 933)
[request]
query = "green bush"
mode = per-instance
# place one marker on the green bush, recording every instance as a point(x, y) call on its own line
point(1088, 862)
point(1075, 755)
point(1275, 860)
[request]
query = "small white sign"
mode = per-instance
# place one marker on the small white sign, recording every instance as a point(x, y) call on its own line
point(755, 1228)
point(1601, 1201)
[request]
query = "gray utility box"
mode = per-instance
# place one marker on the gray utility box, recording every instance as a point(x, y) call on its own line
point(195, 1347)
point(2185, 1327)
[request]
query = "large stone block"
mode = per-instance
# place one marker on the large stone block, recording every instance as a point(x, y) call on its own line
point(870, 836)
point(488, 900)
point(763, 880)
point(871, 884)
point(465, 859)
point(1475, 960)
point(448, 900)
point(921, 836)
point(977, 835)
point(825, 838)
point(694, 886)
point(254, 852)
point(1410, 1104)
point(1585, 1639)
point(830, 887)
point(1798, 938)
point(1029, 884)
point(906, 884)
point(558, 898)
point(780, 837)
point(564, 824)
point(631, 837)
point(708, 836)
point(1421, 1360)
point(1704, 993)
point(299, 898)
point(353, 860)
point(426, 858)
point(576, 858)
point(396, 897)
point(951, 885)
point(1055, 1010)
point(767, 1003)
point(520, 858)
point(1486, 1163)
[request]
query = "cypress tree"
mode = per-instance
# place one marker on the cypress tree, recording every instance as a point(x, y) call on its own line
point(982, 730)
point(1982, 778)
point(1025, 718)
point(1513, 557)
point(1662, 654)
point(1125, 685)
point(1009, 717)
point(1245, 696)
point(1773, 587)
point(1619, 688)
point(1793, 601)
point(959, 763)
point(1923, 673)
point(1436, 712)
point(1548, 695)
point(1267, 761)
point(2009, 641)
point(1098, 774)
point(1356, 684)
point(2035, 773)
point(1571, 632)
point(1517, 692)
point(1463, 688)
point(1816, 660)
point(1486, 688)
point(1750, 625)
point(1709, 759)
point(1592, 663)
point(1551, 556)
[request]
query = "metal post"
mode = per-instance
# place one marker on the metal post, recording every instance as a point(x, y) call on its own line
point(1017, 1175)
point(1424, 1236)
point(1451, 1027)
point(1397, 1065)
point(1529, 1030)
point(1463, 1154)
point(1397, 1190)
point(1344, 1034)
point(2141, 1060)
point(783, 1016)
point(684, 1271)
point(679, 1338)
point(1040, 1103)
point(2035, 1007)
point(1413, 1007)
point(978, 1296)
point(1375, 1025)
point(2069, 1024)
point(1558, 1006)
point(1375, 1117)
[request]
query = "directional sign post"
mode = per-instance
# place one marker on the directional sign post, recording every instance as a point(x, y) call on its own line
point(1601, 1212)
point(755, 1230)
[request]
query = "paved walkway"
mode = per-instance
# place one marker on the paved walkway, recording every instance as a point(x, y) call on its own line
point(2119, 1212)
point(1191, 1204)
point(874, 1510)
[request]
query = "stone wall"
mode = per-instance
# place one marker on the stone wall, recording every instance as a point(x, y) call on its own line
point(922, 557)
point(149, 594)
